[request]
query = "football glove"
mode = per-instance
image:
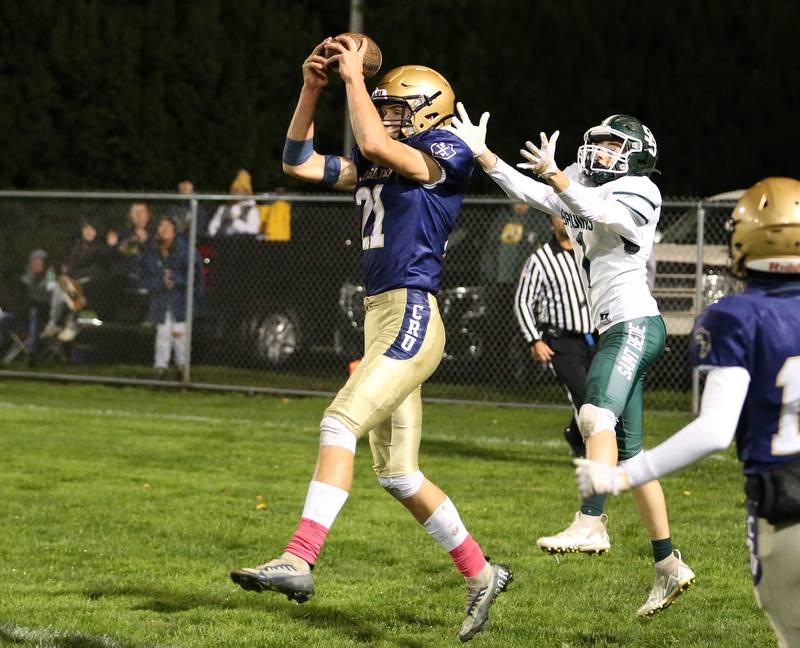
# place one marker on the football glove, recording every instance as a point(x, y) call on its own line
point(595, 478)
point(473, 135)
point(541, 159)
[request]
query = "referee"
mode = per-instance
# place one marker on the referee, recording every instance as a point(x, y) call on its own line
point(553, 313)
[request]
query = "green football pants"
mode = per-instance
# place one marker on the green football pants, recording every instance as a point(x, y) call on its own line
point(616, 377)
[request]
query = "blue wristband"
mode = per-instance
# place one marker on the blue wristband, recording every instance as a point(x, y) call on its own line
point(332, 167)
point(295, 152)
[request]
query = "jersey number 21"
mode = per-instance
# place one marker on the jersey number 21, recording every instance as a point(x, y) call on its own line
point(370, 197)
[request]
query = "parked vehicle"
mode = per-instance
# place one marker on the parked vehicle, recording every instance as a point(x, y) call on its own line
point(269, 304)
point(676, 253)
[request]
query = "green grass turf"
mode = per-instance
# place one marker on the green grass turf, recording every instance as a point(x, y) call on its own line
point(123, 510)
point(330, 379)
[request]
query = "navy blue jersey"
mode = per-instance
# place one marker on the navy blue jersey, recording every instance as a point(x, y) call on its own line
point(759, 329)
point(404, 224)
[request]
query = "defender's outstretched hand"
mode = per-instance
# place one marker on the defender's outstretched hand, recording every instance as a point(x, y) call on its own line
point(541, 159)
point(473, 135)
point(599, 479)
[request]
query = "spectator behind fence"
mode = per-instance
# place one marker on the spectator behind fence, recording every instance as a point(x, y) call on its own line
point(140, 230)
point(237, 217)
point(181, 213)
point(164, 274)
point(276, 219)
point(513, 235)
point(28, 307)
point(86, 280)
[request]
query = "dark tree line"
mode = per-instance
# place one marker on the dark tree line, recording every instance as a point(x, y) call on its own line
point(138, 95)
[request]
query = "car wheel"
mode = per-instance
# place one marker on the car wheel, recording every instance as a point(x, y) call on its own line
point(273, 337)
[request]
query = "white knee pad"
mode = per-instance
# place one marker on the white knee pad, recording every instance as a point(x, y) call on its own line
point(592, 419)
point(403, 486)
point(333, 432)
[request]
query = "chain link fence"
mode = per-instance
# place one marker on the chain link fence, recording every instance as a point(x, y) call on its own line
point(265, 294)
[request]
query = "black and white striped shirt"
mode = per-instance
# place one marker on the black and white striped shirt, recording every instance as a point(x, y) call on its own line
point(550, 292)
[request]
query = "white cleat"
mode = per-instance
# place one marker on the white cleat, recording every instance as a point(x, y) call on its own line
point(673, 577)
point(587, 534)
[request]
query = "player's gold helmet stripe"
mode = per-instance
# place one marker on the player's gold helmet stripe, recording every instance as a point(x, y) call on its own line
point(766, 228)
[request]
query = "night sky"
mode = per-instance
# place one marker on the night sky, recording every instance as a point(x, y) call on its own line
point(139, 95)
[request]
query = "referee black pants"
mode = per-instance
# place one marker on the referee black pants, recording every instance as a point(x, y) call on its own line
point(570, 364)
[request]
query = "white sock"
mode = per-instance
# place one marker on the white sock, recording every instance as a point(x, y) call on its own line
point(323, 503)
point(445, 526)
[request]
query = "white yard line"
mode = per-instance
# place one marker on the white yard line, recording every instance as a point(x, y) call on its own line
point(53, 637)
point(220, 420)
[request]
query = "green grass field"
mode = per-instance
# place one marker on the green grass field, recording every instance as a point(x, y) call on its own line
point(123, 510)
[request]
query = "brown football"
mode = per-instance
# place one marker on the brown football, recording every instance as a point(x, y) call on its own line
point(372, 57)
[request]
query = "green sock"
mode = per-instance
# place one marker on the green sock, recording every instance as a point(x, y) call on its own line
point(593, 505)
point(661, 548)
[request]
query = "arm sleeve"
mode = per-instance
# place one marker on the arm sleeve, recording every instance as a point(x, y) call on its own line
point(521, 187)
point(723, 399)
point(530, 282)
point(612, 213)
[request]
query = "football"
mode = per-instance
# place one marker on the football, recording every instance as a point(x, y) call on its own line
point(372, 57)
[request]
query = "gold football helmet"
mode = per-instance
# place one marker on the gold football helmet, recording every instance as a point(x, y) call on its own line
point(765, 228)
point(427, 95)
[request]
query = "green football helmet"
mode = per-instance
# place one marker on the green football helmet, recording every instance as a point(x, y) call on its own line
point(636, 155)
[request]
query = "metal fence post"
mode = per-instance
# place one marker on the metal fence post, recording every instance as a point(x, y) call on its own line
point(187, 368)
point(698, 297)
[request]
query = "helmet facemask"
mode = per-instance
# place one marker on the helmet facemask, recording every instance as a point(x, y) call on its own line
point(397, 126)
point(413, 115)
point(602, 163)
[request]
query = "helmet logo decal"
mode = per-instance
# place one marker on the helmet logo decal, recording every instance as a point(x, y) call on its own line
point(650, 141)
point(443, 150)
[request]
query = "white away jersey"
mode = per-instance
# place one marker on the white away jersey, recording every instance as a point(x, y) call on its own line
point(611, 246)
